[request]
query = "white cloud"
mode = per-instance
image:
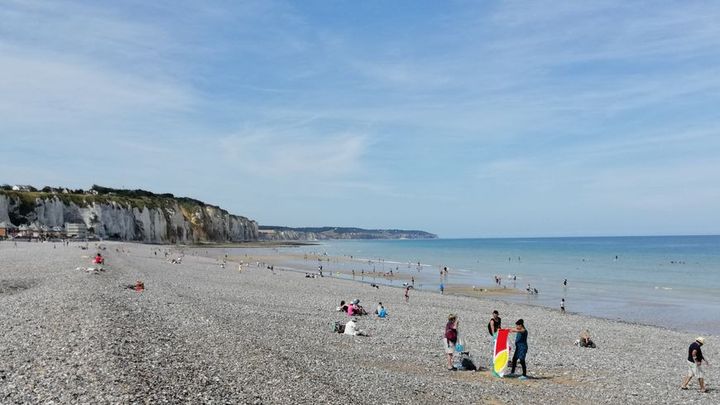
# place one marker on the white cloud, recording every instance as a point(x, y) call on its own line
point(50, 87)
point(267, 154)
point(82, 66)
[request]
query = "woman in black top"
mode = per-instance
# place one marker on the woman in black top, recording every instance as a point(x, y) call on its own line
point(495, 323)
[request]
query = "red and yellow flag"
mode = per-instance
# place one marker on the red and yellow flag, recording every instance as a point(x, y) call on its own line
point(501, 352)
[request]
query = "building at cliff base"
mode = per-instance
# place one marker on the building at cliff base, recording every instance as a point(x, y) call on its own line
point(78, 230)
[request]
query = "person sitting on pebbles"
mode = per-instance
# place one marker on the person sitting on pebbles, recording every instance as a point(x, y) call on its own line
point(381, 312)
point(352, 329)
point(585, 340)
point(343, 307)
point(355, 309)
point(99, 259)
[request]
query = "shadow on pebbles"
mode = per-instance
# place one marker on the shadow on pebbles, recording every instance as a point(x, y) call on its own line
point(14, 286)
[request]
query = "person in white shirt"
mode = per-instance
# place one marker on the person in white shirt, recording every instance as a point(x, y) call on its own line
point(351, 328)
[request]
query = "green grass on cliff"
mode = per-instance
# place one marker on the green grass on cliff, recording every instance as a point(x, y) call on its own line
point(27, 200)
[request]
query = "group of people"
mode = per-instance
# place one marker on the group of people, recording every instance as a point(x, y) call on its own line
point(352, 309)
point(451, 339)
point(455, 347)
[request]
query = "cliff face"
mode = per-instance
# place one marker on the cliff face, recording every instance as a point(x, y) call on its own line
point(163, 220)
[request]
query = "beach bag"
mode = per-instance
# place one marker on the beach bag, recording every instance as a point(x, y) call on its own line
point(467, 363)
point(464, 362)
point(460, 345)
point(338, 327)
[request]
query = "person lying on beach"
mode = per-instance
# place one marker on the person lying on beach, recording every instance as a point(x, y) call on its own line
point(139, 286)
point(352, 329)
point(375, 285)
point(94, 270)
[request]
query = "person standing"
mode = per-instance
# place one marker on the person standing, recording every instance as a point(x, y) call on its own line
point(562, 305)
point(450, 338)
point(495, 323)
point(521, 348)
point(407, 293)
point(695, 359)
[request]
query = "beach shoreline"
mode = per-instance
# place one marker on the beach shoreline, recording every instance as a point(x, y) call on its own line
point(201, 332)
point(291, 262)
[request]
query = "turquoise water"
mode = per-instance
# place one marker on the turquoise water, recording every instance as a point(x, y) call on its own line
point(670, 281)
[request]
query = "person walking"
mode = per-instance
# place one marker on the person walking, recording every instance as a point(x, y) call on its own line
point(521, 348)
point(695, 359)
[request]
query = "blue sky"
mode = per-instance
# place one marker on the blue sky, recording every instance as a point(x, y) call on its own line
point(461, 118)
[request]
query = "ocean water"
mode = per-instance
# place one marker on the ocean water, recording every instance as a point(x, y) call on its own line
point(669, 281)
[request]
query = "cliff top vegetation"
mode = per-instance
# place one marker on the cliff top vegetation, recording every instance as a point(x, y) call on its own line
point(98, 194)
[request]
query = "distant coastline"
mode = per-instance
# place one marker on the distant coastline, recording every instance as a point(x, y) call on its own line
point(266, 232)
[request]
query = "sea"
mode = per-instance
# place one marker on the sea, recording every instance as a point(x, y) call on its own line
point(667, 281)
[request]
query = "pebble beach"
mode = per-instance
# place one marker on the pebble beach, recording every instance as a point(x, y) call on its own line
point(201, 333)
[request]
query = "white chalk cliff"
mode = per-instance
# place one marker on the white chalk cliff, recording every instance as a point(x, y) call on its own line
point(169, 221)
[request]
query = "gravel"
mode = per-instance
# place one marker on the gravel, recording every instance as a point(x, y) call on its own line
point(200, 333)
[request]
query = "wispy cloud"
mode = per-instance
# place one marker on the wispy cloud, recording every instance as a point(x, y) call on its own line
point(266, 154)
point(55, 88)
point(82, 66)
point(515, 106)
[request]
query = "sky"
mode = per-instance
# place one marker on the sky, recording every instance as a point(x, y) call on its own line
point(461, 118)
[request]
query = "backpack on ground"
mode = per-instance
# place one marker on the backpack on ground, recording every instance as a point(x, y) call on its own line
point(463, 362)
point(338, 327)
